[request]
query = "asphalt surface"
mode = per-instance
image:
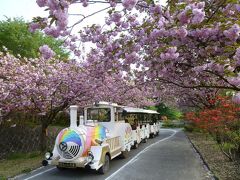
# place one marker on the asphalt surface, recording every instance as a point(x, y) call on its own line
point(168, 156)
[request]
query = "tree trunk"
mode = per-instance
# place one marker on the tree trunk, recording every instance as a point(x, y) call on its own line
point(43, 140)
point(46, 120)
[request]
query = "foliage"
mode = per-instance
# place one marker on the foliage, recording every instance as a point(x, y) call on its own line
point(16, 37)
point(172, 124)
point(189, 128)
point(222, 122)
point(170, 112)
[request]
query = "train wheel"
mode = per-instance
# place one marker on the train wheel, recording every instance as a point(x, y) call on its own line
point(105, 166)
point(60, 168)
point(135, 146)
point(124, 154)
point(152, 135)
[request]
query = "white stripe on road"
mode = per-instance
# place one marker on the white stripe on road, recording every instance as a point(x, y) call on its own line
point(144, 150)
point(40, 173)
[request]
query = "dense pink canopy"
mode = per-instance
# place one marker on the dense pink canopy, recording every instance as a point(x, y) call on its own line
point(40, 85)
point(187, 44)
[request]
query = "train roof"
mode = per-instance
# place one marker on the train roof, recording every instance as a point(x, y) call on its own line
point(125, 108)
point(102, 103)
point(139, 110)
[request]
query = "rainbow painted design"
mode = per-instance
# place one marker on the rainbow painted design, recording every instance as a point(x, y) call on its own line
point(68, 135)
point(93, 133)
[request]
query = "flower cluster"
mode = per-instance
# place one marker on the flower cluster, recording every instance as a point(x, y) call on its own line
point(193, 13)
point(129, 4)
point(233, 33)
point(237, 57)
point(46, 52)
point(222, 122)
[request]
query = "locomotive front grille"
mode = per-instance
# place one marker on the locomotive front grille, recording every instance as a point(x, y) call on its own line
point(74, 150)
point(68, 150)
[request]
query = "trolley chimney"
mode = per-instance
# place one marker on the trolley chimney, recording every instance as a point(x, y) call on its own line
point(73, 116)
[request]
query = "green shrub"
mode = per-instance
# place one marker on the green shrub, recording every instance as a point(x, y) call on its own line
point(189, 128)
point(2, 177)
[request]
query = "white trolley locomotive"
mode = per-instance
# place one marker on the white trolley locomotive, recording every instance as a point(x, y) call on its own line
point(100, 136)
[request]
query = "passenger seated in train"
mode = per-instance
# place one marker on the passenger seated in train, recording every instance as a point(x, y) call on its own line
point(134, 125)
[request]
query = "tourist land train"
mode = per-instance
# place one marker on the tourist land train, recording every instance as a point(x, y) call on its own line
point(106, 131)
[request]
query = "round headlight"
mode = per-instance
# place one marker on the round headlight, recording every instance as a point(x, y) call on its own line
point(90, 157)
point(47, 155)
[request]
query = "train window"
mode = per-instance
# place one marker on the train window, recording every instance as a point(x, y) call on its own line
point(130, 118)
point(100, 114)
point(154, 118)
point(146, 118)
point(119, 114)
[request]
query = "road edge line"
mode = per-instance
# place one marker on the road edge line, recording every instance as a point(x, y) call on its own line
point(40, 173)
point(202, 160)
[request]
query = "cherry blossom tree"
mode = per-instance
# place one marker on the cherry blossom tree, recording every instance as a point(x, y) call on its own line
point(189, 44)
point(46, 87)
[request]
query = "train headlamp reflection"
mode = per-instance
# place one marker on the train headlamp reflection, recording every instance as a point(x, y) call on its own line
point(90, 157)
point(48, 155)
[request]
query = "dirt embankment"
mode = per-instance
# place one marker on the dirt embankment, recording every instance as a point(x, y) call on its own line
point(219, 164)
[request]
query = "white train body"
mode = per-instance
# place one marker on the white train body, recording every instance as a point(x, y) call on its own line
point(98, 137)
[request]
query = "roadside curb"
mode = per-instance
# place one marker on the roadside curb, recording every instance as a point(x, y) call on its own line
point(205, 164)
point(23, 174)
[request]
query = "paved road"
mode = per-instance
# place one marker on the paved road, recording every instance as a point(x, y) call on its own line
point(166, 157)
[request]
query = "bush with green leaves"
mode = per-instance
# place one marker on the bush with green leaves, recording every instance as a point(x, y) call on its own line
point(16, 37)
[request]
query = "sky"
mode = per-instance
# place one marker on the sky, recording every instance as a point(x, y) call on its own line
point(27, 9)
point(20, 8)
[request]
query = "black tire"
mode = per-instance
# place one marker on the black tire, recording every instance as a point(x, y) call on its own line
point(60, 168)
point(124, 154)
point(87, 167)
point(152, 135)
point(145, 140)
point(105, 166)
point(135, 146)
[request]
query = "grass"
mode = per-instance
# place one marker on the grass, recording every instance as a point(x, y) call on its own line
point(18, 163)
